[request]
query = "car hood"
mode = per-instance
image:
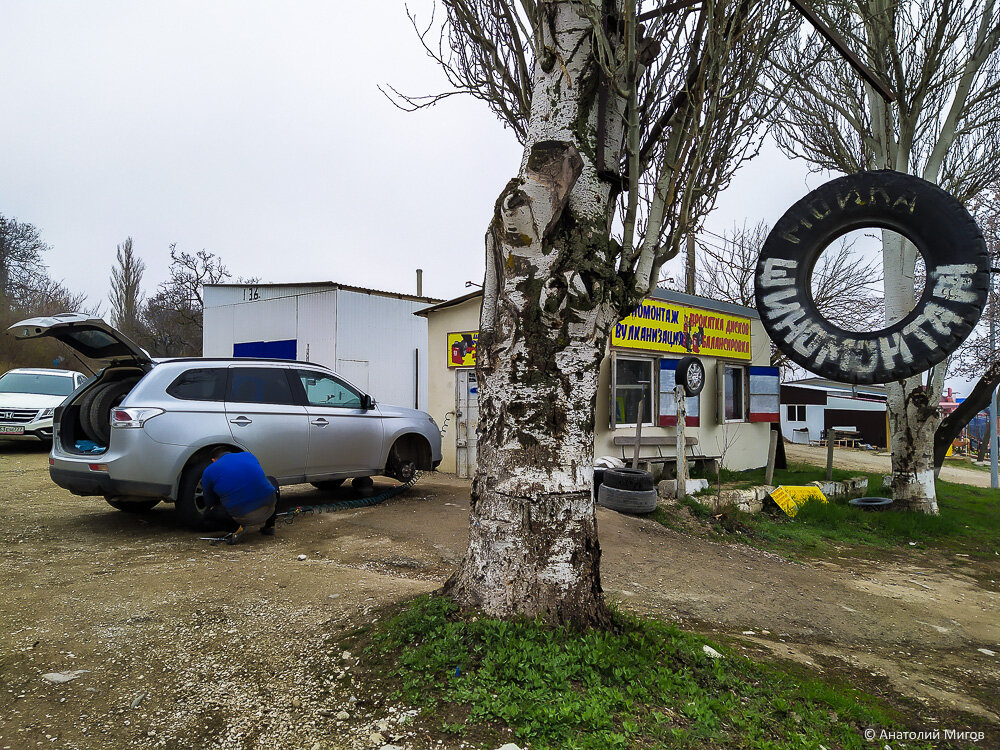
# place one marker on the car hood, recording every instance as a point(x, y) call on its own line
point(29, 401)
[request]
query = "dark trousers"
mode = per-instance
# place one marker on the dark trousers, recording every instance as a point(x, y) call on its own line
point(218, 517)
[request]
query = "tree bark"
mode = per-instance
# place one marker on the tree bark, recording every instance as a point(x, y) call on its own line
point(913, 409)
point(953, 424)
point(550, 297)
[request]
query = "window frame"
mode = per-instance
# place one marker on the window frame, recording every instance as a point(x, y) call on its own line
point(226, 371)
point(299, 390)
point(744, 388)
point(289, 380)
point(652, 362)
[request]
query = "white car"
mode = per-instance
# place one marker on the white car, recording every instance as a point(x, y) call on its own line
point(29, 397)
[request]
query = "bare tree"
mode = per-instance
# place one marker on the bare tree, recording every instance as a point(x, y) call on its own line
point(126, 291)
point(941, 57)
point(22, 267)
point(843, 279)
point(625, 111)
point(173, 316)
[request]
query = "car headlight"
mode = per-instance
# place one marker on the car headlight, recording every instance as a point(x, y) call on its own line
point(133, 417)
point(46, 413)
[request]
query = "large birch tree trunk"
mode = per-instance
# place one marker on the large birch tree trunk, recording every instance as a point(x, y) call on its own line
point(550, 297)
point(912, 407)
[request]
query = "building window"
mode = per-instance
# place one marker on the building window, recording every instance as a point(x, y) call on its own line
point(796, 413)
point(633, 383)
point(733, 390)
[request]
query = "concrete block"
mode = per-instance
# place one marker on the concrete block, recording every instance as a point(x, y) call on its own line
point(668, 487)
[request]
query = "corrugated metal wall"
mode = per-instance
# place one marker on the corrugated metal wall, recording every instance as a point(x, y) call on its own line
point(384, 333)
point(374, 341)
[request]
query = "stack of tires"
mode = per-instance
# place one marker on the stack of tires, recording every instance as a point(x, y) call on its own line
point(96, 405)
point(627, 491)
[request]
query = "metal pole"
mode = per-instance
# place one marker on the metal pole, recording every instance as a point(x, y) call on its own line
point(681, 492)
point(994, 483)
point(638, 434)
point(831, 435)
point(690, 270)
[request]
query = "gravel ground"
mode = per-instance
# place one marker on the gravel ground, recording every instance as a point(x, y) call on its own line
point(174, 643)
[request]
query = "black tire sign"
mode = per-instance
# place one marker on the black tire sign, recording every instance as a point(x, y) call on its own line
point(943, 231)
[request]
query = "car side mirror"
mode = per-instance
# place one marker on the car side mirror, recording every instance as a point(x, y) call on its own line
point(367, 402)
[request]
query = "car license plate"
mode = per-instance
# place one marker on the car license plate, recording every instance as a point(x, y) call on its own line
point(11, 430)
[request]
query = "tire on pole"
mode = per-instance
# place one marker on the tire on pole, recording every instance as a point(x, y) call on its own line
point(943, 231)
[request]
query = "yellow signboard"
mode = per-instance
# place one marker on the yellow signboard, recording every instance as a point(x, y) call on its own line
point(668, 327)
point(790, 499)
point(462, 349)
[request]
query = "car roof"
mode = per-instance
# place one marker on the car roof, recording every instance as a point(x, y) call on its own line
point(44, 371)
point(239, 361)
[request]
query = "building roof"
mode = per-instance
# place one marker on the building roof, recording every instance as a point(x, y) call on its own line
point(336, 285)
point(693, 300)
point(832, 385)
point(667, 295)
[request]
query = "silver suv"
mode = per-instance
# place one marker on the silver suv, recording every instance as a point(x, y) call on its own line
point(141, 431)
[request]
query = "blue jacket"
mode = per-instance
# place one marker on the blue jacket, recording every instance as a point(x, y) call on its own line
point(238, 482)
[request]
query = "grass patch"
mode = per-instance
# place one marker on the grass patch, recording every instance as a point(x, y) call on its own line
point(969, 519)
point(647, 685)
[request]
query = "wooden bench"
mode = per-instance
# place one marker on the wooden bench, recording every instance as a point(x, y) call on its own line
point(627, 443)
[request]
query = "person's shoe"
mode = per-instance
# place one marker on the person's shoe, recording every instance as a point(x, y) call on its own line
point(235, 537)
point(267, 530)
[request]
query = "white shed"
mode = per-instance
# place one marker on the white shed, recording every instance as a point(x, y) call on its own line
point(370, 337)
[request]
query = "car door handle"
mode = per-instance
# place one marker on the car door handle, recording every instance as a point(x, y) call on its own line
point(241, 421)
point(320, 422)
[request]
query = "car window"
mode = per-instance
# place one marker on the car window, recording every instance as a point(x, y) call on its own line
point(325, 390)
point(259, 385)
point(28, 382)
point(203, 384)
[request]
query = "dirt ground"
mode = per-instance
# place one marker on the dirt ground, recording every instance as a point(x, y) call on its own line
point(851, 459)
point(178, 644)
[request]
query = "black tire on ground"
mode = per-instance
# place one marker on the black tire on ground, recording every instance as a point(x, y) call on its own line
point(691, 375)
point(628, 479)
point(954, 253)
point(627, 501)
point(329, 485)
point(133, 506)
point(871, 503)
point(598, 479)
point(98, 419)
point(190, 501)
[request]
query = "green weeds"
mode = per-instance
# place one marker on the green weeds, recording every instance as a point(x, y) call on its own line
point(646, 684)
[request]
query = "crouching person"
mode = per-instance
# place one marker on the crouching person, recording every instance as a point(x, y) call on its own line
point(238, 494)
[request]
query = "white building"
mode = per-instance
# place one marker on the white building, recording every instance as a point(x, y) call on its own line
point(370, 337)
point(729, 420)
point(811, 406)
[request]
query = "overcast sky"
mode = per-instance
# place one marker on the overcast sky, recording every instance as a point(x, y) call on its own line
point(256, 130)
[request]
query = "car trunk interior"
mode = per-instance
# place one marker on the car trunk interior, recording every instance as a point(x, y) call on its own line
point(76, 435)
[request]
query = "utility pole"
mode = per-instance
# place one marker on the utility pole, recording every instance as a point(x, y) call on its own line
point(689, 271)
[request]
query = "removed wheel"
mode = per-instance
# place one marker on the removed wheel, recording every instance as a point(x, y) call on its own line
point(626, 501)
point(98, 419)
point(871, 503)
point(328, 485)
point(132, 506)
point(635, 480)
point(190, 498)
